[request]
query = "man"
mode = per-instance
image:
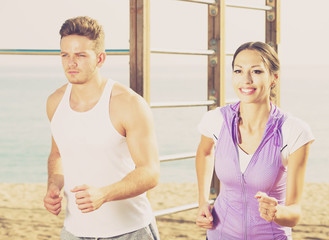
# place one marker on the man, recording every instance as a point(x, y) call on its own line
point(104, 152)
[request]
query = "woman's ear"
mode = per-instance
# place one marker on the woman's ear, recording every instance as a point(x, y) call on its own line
point(275, 80)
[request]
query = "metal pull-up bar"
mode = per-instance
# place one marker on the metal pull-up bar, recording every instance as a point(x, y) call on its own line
point(182, 104)
point(175, 157)
point(108, 52)
point(233, 4)
point(54, 51)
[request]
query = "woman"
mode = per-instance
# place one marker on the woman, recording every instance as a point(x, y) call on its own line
point(260, 156)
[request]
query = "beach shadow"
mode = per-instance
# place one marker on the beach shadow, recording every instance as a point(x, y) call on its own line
point(172, 220)
point(314, 238)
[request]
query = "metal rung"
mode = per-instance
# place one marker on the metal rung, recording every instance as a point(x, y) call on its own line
point(117, 51)
point(174, 157)
point(177, 209)
point(108, 52)
point(184, 52)
point(182, 104)
point(209, 2)
point(233, 4)
point(55, 51)
point(248, 6)
point(231, 100)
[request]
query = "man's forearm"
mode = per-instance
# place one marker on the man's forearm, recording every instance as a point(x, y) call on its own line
point(135, 183)
point(56, 179)
point(55, 171)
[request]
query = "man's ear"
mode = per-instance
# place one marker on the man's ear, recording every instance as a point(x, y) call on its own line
point(101, 59)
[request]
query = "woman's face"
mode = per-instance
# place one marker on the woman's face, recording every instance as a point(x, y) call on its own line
point(252, 80)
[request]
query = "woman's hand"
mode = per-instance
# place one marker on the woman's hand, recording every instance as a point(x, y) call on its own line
point(268, 206)
point(204, 218)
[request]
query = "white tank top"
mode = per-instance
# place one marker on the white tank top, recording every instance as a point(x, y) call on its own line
point(94, 153)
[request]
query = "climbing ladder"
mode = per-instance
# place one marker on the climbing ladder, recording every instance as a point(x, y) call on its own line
point(140, 61)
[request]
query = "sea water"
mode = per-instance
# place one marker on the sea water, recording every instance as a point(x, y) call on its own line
point(25, 134)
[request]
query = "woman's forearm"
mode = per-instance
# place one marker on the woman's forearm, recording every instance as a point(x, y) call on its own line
point(288, 215)
point(204, 169)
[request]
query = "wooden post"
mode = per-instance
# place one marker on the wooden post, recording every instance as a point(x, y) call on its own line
point(272, 37)
point(140, 47)
point(216, 65)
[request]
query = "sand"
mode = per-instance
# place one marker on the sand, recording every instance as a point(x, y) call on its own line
point(22, 215)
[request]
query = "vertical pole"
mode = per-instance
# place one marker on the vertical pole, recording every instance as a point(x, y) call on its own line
point(216, 65)
point(272, 37)
point(140, 47)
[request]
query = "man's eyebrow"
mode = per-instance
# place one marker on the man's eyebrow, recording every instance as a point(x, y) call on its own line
point(82, 52)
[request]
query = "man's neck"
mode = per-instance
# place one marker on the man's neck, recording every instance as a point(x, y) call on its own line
point(89, 91)
point(85, 96)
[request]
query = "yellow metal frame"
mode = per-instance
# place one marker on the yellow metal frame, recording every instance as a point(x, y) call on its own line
point(140, 47)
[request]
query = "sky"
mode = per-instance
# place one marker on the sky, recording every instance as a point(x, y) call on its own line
point(174, 24)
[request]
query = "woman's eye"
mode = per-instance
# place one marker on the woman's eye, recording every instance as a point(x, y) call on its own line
point(237, 71)
point(257, 71)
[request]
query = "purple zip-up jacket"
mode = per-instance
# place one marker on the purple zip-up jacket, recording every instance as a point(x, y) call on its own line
point(235, 211)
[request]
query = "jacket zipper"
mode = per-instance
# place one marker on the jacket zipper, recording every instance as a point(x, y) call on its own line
point(244, 197)
point(244, 207)
point(245, 225)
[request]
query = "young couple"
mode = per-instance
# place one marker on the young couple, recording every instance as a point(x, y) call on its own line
point(105, 157)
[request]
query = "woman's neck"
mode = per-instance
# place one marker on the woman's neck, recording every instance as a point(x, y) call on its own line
point(254, 116)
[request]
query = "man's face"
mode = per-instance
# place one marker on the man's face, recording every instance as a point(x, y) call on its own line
point(79, 59)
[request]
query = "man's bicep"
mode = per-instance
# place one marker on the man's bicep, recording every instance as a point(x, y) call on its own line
point(54, 148)
point(54, 160)
point(141, 138)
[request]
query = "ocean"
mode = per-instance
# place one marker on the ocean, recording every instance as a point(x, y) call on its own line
point(25, 134)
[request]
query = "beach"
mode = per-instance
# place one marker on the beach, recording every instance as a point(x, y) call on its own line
point(22, 215)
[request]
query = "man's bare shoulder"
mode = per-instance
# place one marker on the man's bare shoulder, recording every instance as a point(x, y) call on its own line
point(128, 106)
point(54, 100)
point(126, 97)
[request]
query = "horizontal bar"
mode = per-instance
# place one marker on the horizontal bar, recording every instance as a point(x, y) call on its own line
point(30, 51)
point(55, 51)
point(178, 209)
point(231, 100)
point(248, 6)
point(209, 2)
point(175, 209)
point(182, 104)
point(174, 157)
point(108, 52)
point(184, 52)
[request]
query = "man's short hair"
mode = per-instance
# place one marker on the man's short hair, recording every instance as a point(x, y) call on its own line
point(87, 27)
